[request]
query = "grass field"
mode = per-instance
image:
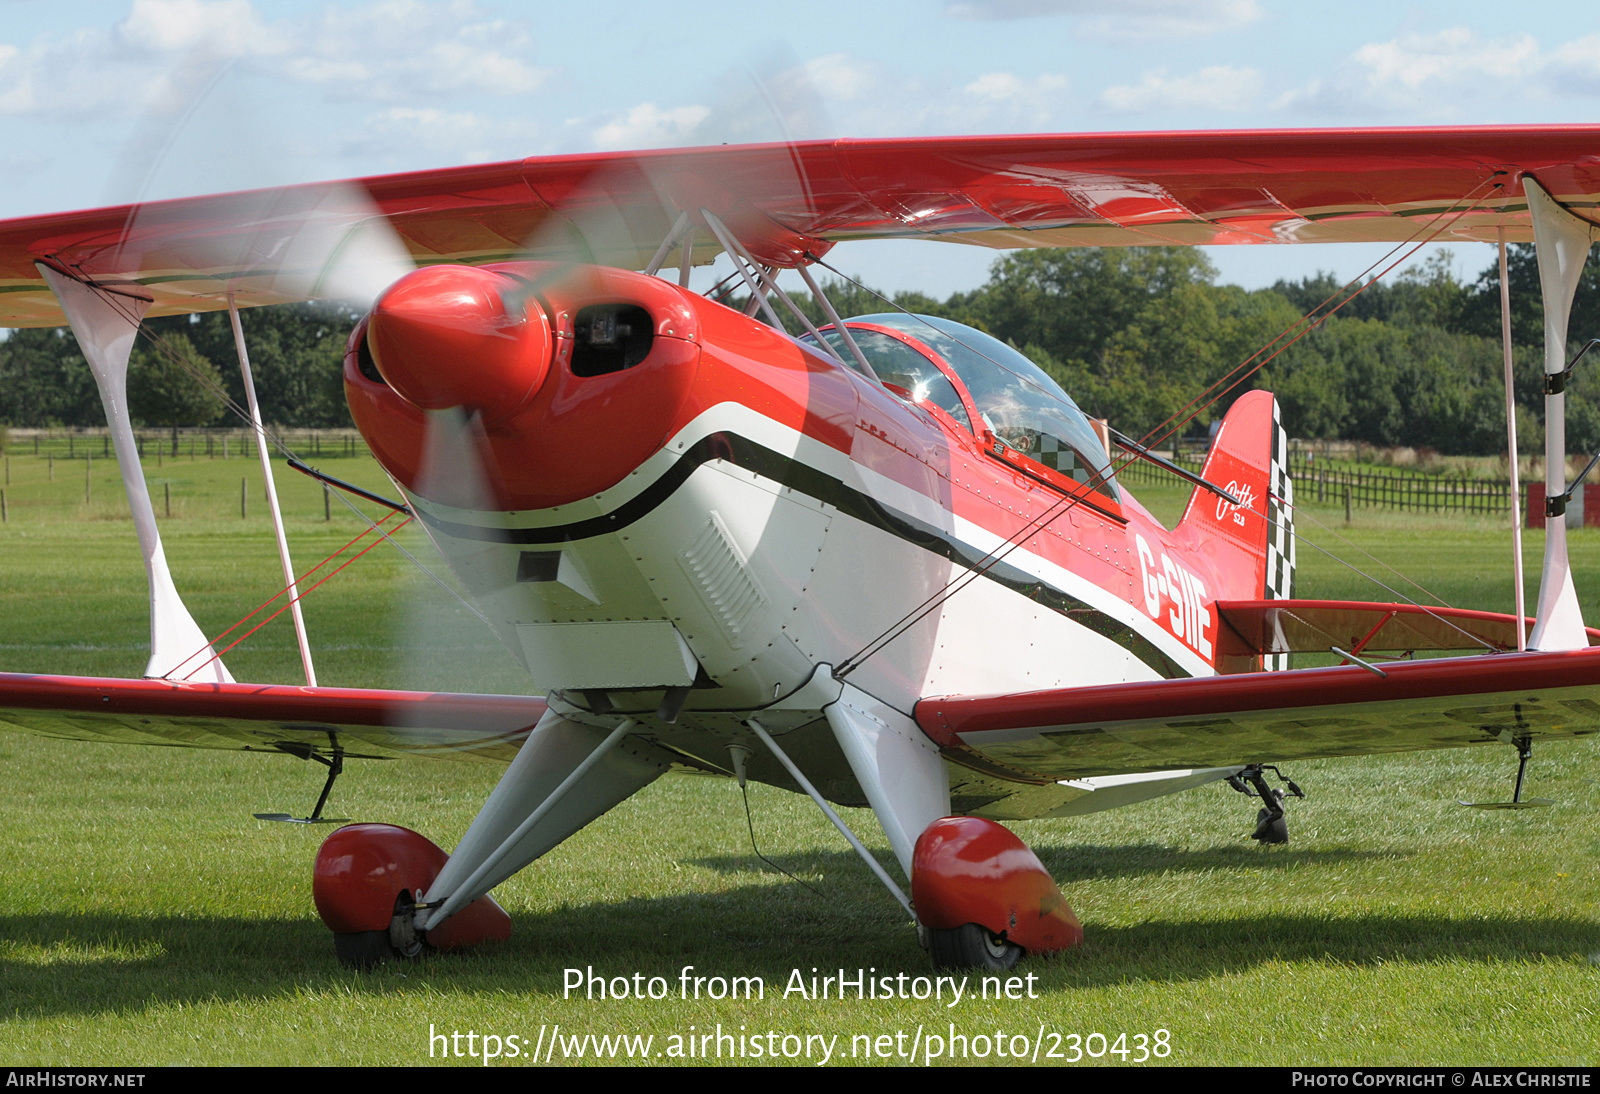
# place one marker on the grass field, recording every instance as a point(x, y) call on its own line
point(149, 919)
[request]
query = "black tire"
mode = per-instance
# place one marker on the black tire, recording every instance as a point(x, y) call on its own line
point(972, 947)
point(364, 949)
point(1271, 830)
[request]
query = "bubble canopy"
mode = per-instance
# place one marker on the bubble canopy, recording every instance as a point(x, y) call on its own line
point(1016, 399)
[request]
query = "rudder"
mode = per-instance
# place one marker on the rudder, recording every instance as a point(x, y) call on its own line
point(1251, 545)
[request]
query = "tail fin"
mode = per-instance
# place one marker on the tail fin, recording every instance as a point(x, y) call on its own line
point(1250, 545)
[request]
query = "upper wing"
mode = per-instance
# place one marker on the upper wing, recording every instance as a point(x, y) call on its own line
point(1222, 721)
point(782, 201)
point(268, 717)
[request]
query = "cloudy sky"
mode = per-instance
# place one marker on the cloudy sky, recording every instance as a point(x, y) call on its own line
point(117, 101)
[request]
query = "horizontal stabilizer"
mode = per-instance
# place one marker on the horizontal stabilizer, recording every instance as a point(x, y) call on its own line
point(1256, 627)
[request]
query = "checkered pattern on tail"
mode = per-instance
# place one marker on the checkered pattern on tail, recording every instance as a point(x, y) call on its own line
point(1280, 534)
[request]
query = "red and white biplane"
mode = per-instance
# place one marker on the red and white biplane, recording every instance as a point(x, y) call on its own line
point(888, 563)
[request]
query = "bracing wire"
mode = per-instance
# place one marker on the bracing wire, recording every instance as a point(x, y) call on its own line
point(1381, 584)
point(261, 608)
point(323, 581)
point(1177, 421)
point(119, 302)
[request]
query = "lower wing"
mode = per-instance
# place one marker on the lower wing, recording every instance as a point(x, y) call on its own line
point(301, 721)
point(1221, 721)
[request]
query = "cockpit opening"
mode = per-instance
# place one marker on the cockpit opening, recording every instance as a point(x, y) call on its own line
point(969, 374)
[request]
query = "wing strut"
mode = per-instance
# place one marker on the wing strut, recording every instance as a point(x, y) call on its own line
point(272, 499)
point(838, 324)
point(105, 320)
point(665, 249)
point(449, 894)
point(736, 252)
point(1511, 439)
point(1561, 242)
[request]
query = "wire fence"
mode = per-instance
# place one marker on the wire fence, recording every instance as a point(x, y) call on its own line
point(196, 444)
point(1386, 489)
point(1315, 480)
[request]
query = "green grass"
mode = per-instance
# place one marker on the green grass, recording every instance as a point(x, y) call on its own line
point(149, 919)
point(75, 590)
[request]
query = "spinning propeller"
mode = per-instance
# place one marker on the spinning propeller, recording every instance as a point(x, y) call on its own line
point(466, 346)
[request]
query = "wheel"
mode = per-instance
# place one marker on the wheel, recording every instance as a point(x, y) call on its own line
point(1270, 829)
point(972, 947)
point(364, 949)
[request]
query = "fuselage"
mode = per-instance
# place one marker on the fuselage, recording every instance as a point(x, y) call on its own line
point(706, 503)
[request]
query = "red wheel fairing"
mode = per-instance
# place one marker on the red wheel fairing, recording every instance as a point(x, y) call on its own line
point(969, 870)
point(361, 870)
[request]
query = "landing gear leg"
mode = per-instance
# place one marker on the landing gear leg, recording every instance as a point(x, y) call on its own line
point(1271, 827)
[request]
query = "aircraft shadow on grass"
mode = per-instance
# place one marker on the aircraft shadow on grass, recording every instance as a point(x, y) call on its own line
point(56, 965)
point(1084, 862)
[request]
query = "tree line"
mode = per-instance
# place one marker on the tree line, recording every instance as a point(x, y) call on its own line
point(184, 371)
point(1135, 335)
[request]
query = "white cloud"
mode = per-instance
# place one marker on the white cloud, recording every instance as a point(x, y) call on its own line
point(456, 137)
point(898, 105)
point(1575, 67)
point(1007, 97)
point(80, 75)
point(398, 51)
point(1448, 56)
point(840, 77)
point(1004, 87)
point(229, 28)
point(1438, 75)
point(867, 100)
point(648, 126)
point(1131, 21)
point(1219, 88)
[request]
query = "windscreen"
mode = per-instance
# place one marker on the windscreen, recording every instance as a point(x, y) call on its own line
point(1018, 400)
point(902, 367)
